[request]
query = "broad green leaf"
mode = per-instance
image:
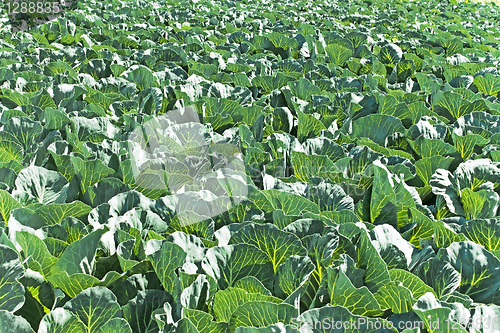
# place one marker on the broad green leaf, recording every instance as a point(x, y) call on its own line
point(419, 109)
point(96, 129)
point(321, 250)
point(227, 264)
point(98, 98)
point(94, 307)
point(410, 281)
point(4, 240)
point(461, 81)
point(390, 54)
point(292, 274)
point(240, 79)
point(385, 151)
point(279, 327)
point(324, 146)
point(126, 255)
point(58, 67)
point(395, 297)
point(97, 68)
point(261, 314)
point(32, 309)
point(141, 76)
point(269, 83)
point(39, 185)
point(251, 285)
point(55, 213)
point(205, 70)
point(124, 202)
point(25, 219)
point(74, 284)
point(356, 38)
point(444, 235)
point(24, 130)
point(104, 190)
point(223, 107)
point(13, 98)
point(35, 248)
point(33, 87)
point(392, 247)
point(11, 270)
point(55, 118)
point(431, 147)
point(376, 127)
point(376, 275)
point(480, 204)
point(79, 256)
point(219, 123)
point(308, 126)
point(185, 325)
point(477, 174)
point(139, 311)
point(390, 106)
point(405, 69)
point(359, 301)
point(151, 101)
point(453, 106)
point(204, 321)
point(488, 84)
point(452, 46)
point(436, 318)
point(423, 229)
point(308, 166)
point(428, 165)
point(338, 54)
point(12, 323)
point(228, 300)
point(480, 122)
point(480, 270)
point(277, 244)
point(115, 325)
point(59, 151)
point(291, 67)
point(43, 100)
point(165, 259)
point(10, 151)
point(236, 68)
point(196, 294)
point(485, 232)
point(197, 224)
point(290, 204)
point(382, 192)
point(342, 217)
point(7, 204)
point(192, 245)
point(443, 183)
point(281, 41)
point(331, 197)
point(303, 89)
point(88, 172)
point(439, 275)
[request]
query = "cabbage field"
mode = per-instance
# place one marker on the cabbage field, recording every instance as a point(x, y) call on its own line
point(257, 166)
